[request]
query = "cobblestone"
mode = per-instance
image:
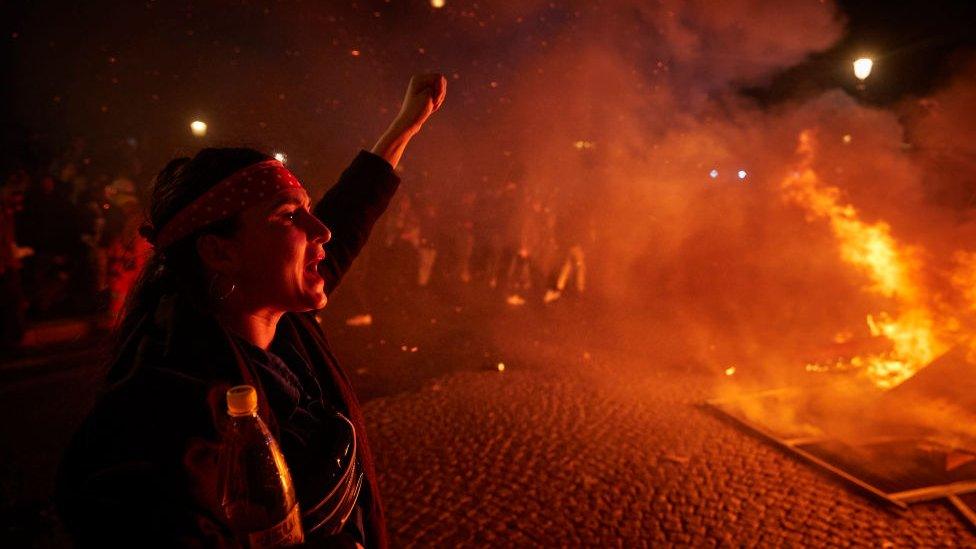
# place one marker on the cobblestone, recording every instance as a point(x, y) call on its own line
point(611, 454)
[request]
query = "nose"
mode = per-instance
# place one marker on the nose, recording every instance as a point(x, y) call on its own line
point(317, 231)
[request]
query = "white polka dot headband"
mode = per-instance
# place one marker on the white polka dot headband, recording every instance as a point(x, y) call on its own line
point(239, 191)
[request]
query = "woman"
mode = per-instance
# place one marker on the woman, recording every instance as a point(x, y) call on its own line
point(240, 263)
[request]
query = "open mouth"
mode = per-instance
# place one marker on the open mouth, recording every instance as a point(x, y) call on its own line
point(312, 267)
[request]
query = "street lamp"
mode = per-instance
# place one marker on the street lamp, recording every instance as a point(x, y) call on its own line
point(862, 68)
point(199, 128)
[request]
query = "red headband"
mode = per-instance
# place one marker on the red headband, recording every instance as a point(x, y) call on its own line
point(239, 191)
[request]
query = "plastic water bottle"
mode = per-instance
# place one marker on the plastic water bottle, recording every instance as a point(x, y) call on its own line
point(258, 497)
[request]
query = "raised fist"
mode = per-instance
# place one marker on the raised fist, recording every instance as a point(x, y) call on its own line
point(425, 94)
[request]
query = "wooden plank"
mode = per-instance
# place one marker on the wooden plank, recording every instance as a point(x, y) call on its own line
point(935, 492)
point(964, 510)
point(798, 441)
point(813, 459)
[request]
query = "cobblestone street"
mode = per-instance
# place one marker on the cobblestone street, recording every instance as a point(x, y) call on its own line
point(587, 438)
point(594, 452)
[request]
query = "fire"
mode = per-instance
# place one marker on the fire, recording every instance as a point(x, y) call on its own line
point(964, 277)
point(892, 268)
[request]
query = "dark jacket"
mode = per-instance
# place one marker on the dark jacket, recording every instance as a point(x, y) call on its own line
point(142, 468)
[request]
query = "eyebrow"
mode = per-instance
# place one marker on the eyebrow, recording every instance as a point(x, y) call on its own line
point(290, 199)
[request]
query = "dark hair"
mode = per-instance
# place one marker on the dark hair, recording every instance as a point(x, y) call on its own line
point(178, 269)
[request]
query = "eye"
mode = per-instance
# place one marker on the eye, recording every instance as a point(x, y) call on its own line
point(291, 213)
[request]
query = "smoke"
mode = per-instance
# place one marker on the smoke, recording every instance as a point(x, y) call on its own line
point(651, 94)
point(943, 134)
point(615, 121)
point(627, 123)
point(617, 126)
point(651, 91)
point(710, 46)
point(601, 120)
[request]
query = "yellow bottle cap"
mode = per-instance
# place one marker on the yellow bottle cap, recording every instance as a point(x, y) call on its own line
point(242, 400)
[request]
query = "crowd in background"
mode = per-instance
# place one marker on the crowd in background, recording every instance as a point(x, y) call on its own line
point(69, 243)
point(504, 237)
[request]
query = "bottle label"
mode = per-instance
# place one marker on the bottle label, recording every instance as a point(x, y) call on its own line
point(286, 532)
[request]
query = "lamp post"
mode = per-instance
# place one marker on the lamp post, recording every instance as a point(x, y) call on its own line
point(862, 69)
point(198, 128)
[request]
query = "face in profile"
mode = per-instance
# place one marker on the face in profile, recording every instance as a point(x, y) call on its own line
point(277, 251)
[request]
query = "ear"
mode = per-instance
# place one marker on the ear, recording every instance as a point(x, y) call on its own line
point(219, 255)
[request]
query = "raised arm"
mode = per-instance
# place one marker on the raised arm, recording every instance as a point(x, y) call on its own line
point(352, 206)
point(425, 94)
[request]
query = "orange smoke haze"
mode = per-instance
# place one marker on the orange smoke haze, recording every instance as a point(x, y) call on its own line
point(611, 126)
point(744, 274)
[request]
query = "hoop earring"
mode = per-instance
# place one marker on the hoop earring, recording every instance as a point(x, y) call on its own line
point(213, 287)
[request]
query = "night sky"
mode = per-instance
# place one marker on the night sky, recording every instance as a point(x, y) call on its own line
point(918, 45)
point(317, 79)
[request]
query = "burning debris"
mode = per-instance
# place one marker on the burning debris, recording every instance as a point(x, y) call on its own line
point(917, 333)
point(906, 435)
point(899, 449)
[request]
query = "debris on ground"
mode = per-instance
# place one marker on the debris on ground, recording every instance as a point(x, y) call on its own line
point(676, 458)
point(360, 320)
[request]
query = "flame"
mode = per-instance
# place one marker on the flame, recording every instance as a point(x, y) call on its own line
point(964, 277)
point(892, 269)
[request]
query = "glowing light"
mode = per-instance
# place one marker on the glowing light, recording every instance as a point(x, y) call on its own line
point(914, 334)
point(730, 371)
point(198, 128)
point(354, 53)
point(437, 4)
point(862, 67)
point(580, 145)
point(281, 157)
point(501, 366)
point(713, 174)
point(742, 174)
point(360, 320)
